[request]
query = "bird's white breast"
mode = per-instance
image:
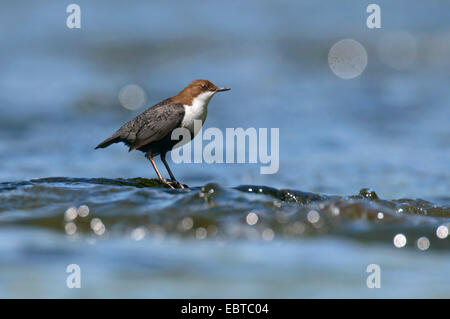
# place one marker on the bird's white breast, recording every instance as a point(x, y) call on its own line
point(196, 112)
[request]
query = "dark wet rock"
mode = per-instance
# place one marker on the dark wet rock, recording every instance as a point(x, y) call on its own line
point(135, 182)
point(368, 193)
point(286, 195)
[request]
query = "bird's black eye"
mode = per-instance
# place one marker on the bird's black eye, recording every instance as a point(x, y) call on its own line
point(204, 86)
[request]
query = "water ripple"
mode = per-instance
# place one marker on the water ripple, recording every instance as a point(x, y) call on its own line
point(141, 207)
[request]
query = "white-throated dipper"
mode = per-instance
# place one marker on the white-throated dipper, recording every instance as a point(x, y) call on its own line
point(150, 131)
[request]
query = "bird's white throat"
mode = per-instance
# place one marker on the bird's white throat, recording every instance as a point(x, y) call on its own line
point(197, 111)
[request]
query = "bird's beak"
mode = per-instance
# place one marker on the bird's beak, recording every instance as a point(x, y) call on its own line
point(222, 89)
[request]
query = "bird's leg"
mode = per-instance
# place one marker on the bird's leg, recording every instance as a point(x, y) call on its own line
point(163, 159)
point(150, 158)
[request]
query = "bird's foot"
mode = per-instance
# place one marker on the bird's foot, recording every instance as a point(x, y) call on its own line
point(176, 184)
point(173, 184)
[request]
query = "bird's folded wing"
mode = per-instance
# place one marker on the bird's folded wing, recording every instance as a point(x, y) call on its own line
point(157, 123)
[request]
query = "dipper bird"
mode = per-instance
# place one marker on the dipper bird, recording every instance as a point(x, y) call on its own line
point(150, 131)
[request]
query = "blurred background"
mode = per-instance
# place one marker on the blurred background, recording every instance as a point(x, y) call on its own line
point(62, 91)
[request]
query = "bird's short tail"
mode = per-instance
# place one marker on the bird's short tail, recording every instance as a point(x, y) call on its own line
point(110, 140)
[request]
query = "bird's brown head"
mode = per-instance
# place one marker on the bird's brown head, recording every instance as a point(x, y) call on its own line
point(198, 88)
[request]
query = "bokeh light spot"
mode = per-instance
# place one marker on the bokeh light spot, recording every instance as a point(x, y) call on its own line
point(132, 97)
point(423, 243)
point(442, 232)
point(398, 50)
point(70, 228)
point(138, 233)
point(70, 214)
point(200, 233)
point(187, 223)
point(313, 216)
point(252, 219)
point(97, 226)
point(83, 211)
point(347, 59)
point(268, 234)
point(400, 240)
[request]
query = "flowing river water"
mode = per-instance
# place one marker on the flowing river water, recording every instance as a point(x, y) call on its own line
point(364, 171)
